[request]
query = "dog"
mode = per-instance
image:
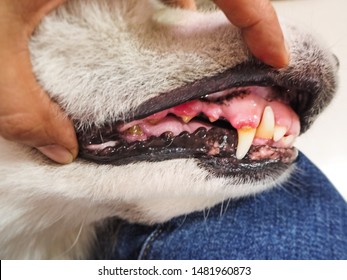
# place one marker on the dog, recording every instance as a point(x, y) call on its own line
point(173, 115)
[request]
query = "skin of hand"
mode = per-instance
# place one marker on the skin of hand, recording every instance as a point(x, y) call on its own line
point(28, 116)
point(259, 24)
point(260, 29)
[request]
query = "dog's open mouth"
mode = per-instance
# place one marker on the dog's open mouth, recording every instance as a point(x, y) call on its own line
point(229, 121)
point(233, 123)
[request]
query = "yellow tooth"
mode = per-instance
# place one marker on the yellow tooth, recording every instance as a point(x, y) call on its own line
point(266, 127)
point(212, 119)
point(279, 132)
point(135, 130)
point(245, 138)
point(288, 140)
point(186, 119)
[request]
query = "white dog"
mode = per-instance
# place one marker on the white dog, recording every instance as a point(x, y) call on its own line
point(173, 115)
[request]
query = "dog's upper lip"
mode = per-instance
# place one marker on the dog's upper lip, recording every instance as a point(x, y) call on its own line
point(301, 91)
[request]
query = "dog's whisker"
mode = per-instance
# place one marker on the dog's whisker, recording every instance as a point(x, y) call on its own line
point(206, 212)
point(76, 239)
point(183, 221)
point(221, 209)
point(227, 205)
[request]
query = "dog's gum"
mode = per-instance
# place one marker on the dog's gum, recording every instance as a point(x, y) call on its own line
point(243, 107)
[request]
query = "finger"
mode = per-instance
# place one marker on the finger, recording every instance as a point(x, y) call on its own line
point(29, 12)
point(260, 28)
point(28, 116)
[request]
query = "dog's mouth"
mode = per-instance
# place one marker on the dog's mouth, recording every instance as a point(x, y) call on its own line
point(234, 120)
point(244, 121)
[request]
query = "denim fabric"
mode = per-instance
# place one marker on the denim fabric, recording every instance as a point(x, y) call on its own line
point(304, 218)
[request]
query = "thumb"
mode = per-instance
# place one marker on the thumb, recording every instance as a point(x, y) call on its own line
point(28, 116)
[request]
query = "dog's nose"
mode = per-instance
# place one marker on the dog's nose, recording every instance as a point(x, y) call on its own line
point(337, 61)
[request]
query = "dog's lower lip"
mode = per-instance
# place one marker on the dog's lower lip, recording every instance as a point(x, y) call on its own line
point(202, 144)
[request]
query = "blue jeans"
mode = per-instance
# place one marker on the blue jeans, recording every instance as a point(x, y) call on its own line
point(304, 218)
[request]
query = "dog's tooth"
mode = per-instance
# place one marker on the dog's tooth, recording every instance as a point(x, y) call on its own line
point(266, 127)
point(135, 130)
point(212, 111)
point(186, 119)
point(245, 138)
point(279, 132)
point(212, 119)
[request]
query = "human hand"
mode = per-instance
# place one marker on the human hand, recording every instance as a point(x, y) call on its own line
point(260, 29)
point(27, 115)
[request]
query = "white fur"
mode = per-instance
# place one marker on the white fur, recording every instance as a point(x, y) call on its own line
point(100, 59)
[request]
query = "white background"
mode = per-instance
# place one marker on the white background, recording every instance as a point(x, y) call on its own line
point(326, 142)
point(88, 270)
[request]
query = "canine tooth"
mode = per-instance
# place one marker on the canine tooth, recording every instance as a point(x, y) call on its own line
point(266, 127)
point(135, 130)
point(279, 132)
point(245, 139)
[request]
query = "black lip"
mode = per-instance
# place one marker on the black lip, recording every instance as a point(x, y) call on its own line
point(197, 145)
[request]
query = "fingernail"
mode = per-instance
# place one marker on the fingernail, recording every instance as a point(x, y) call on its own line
point(56, 153)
